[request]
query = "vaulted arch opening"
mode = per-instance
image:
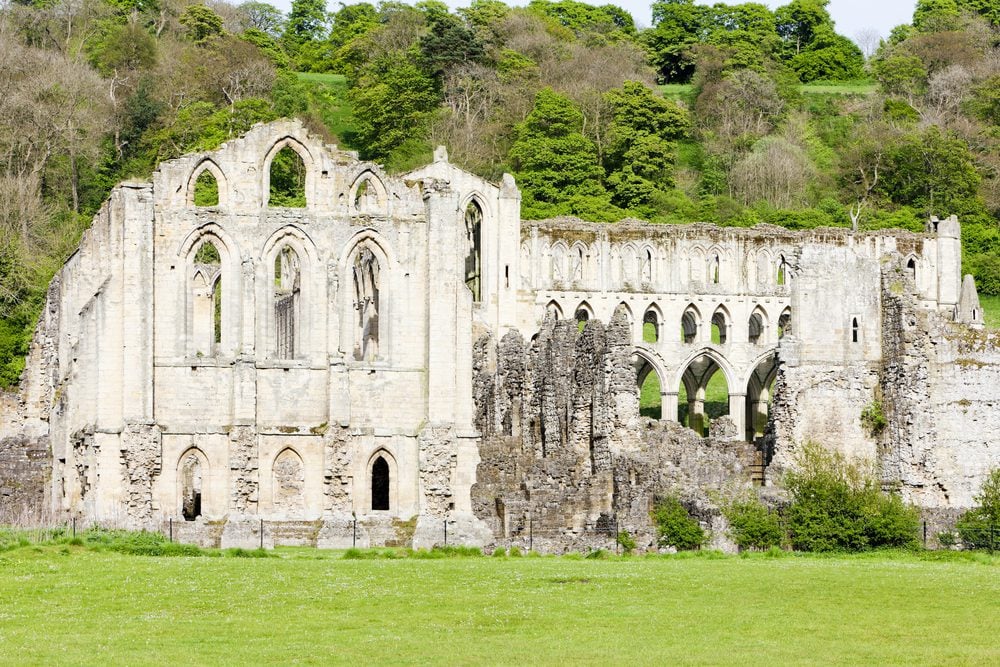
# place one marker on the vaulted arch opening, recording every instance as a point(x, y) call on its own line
point(702, 394)
point(582, 315)
point(755, 328)
point(287, 179)
point(646, 266)
point(554, 310)
point(720, 327)
point(785, 323)
point(760, 394)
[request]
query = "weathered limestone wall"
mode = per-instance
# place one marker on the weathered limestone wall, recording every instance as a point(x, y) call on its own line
point(941, 392)
point(566, 460)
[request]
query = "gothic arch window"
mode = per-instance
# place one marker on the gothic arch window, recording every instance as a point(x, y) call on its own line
point(714, 269)
point(630, 261)
point(650, 327)
point(288, 481)
point(368, 303)
point(720, 327)
point(911, 268)
point(785, 323)
point(369, 196)
point(582, 315)
point(577, 260)
point(206, 299)
point(381, 483)
point(855, 331)
point(207, 185)
point(191, 473)
point(287, 288)
point(689, 325)
point(784, 274)
point(756, 328)
point(206, 189)
point(646, 266)
point(558, 263)
point(553, 309)
point(287, 179)
point(473, 257)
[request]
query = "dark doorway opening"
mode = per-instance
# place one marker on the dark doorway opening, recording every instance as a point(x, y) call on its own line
point(380, 484)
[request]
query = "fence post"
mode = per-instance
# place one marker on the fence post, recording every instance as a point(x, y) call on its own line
point(617, 536)
point(170, 523)
point(74, 526)
point(262, 534)
point(531, 533)
point(925, 533)
point(446, 531)
point(354, 532)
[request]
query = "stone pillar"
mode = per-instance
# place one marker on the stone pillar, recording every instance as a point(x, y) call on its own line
point(668, 405)
point(738, 410)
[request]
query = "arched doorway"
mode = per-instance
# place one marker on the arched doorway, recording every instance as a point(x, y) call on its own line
point(650, 388)
point(760, 393)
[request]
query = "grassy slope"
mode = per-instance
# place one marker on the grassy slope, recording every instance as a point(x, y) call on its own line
point(329, 96)
point(82, 607)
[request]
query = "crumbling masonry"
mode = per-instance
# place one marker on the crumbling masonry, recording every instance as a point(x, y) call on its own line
point(404, 356)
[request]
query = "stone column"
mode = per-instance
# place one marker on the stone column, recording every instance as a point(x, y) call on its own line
point(738, 410)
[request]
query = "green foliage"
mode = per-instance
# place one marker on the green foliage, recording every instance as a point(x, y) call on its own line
point(979, 527)
point(448, 43)
point(288, 180)
point(202, 23)
point(752, 525)
point(556, 165)
point(873, 419)
point(837, 505)
point(393, 102)
point(206, 190)
point(626, 541)
point(675, 527)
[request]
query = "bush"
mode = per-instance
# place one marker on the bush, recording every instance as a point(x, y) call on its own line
point(873, 418)
point(979, 528)
point(837, 505)
point(675, 527)
point(626, 542)
point(752, 525)
point(515, 552)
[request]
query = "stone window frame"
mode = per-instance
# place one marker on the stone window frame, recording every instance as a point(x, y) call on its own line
point(485, 241)
point(726, 328)
point(369, 175)
point(230, 274)
point(310, 306)
point(366, 495)
point(308, 162)
point(657, 312)
point(763, 338)
point(697, 319)
point(273, 482)
point(209, 165)
point(388, 291)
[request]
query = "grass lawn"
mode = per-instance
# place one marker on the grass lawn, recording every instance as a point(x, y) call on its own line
point(991, 310)
point(680, 91)
point(328, 99)
point(69, 605)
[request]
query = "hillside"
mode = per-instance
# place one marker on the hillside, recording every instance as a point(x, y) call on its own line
point(729, 114)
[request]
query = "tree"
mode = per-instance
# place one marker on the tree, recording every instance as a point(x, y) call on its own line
point(901, 74)
point(798, 21)
point(351, 22)
point(979, 527)
point(393, 103)
point(447, 43)
point(555, 165)
point(641, 152)
point(868, 40)
point(202, 23)
point(262, 16)
point(829, 56)
point(677, 26)
point(305, 23)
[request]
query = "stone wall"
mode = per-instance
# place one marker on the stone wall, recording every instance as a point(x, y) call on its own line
point(566, 461)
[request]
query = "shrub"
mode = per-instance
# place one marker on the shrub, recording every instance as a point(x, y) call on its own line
point(515, 552)
point(499, 552)
point(752, 525)
point(675, 527)
point(837, 505)
point(873, 418)
point(626, 542)
point(979, 528)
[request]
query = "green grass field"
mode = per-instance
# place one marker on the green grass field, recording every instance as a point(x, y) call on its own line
point(328, 99)
point(991, 310)
point(69, 605)
point(683, 91)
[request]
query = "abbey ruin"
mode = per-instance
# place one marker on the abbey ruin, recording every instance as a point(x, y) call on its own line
point(404, 358)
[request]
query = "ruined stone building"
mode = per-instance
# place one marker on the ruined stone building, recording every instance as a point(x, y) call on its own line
point(392, 357)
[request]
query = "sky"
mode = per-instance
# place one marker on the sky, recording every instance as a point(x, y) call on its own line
point(851, 16)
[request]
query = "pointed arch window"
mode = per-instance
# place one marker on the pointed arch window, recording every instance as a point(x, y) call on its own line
point(287, 303)
point(473, 257)
point(206, 189)
point(367, 302)
point(287, 179)
point(855, 331)
point(206, 299)
point(191, 483)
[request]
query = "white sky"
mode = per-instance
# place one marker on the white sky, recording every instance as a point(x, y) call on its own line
point(851, 16)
